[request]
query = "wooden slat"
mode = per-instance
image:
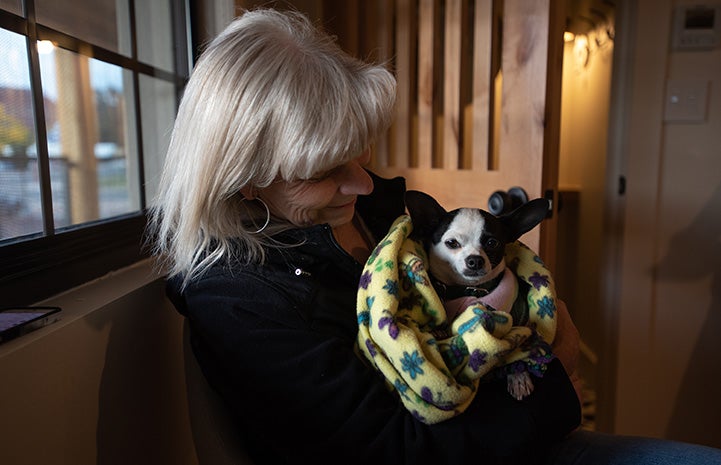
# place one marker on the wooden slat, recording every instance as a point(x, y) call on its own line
point(426, 36)
point(376, 44)
point(482, 84)
point(401, 129)
point(452, 83)
point(551, 147)
point(525, 37)
point(336, 19)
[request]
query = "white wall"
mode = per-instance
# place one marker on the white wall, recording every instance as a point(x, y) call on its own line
point(669, 359)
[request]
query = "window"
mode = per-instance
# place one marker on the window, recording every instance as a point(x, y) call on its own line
point(88, 94)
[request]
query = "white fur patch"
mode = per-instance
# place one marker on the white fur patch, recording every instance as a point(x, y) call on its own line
point(449, 264)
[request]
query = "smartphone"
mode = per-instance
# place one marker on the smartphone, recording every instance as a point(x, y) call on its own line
point(16, 321)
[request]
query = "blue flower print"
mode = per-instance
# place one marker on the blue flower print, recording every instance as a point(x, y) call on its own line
point(391, 286)
point(412, 363)
point(401, 387)
point(486, 319)
point(547, 307)
point(413, 272)
point(364, 318)
point(473, 322)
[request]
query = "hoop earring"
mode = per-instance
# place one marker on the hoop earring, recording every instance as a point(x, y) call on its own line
point(267, 216)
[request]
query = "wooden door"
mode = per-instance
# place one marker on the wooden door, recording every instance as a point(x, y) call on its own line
point(478, 106)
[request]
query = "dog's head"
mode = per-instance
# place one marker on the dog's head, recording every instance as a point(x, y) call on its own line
point(466, 246)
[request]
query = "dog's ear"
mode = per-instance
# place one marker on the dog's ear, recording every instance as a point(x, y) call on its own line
point(526, 217)
point(425, 212)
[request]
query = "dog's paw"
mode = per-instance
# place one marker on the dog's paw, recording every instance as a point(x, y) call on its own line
point(520, 384)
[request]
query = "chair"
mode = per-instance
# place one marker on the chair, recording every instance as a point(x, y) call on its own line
point(218, 441)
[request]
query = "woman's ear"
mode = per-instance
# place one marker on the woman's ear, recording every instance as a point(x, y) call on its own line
point(248, 192)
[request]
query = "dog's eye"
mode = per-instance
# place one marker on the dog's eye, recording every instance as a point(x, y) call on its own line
point(453, 244)
point(492, 243)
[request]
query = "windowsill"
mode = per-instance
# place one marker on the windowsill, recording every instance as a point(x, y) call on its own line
point(83, 300)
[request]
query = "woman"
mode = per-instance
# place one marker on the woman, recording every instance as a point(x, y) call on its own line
point(264, 218)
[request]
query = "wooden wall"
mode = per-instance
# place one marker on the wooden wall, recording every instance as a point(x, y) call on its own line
point(478, 105)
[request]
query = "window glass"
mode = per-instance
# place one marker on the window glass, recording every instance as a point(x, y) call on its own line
point(155, 33)
point(13, 6)
point(157, 112)
point(74, 179)
point(20, 208)
point(90, 136)
point(101, 22)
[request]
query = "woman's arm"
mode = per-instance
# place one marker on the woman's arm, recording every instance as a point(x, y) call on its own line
point(566, 345)
point(303, 395)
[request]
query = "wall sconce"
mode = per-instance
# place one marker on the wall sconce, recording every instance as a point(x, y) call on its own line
point(581, 50)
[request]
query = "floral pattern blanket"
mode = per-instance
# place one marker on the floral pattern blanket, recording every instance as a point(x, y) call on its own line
point(435, 365)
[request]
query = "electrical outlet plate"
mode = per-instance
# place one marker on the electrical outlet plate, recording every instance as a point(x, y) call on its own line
point(686, 100)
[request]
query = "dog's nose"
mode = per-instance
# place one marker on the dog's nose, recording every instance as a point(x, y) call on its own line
point(475, 262)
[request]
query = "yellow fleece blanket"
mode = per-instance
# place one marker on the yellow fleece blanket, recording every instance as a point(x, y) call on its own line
point(436, 365)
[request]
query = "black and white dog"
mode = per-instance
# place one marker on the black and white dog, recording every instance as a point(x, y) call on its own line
point(465, 249)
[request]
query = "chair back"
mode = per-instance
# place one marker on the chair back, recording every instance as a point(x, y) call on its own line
point(218, 440)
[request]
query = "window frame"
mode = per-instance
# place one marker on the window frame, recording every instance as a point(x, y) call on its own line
point(35, 267)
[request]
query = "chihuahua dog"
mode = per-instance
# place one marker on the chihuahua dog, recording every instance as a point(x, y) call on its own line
point(465, 249)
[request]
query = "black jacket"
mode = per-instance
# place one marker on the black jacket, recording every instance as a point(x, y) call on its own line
point(277, 343)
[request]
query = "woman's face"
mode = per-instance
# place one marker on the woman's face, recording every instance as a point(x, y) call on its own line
point(328, 198)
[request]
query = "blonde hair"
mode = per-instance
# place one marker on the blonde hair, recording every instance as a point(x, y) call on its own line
point(270, 98)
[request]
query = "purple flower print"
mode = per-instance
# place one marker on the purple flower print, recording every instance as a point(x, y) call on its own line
point(538, 280)
point(365, 280)
point(476, 360)
point(392, 326)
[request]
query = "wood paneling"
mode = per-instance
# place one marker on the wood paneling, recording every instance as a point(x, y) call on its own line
point(455, 136)
point(478, 99)
point(427, 36)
